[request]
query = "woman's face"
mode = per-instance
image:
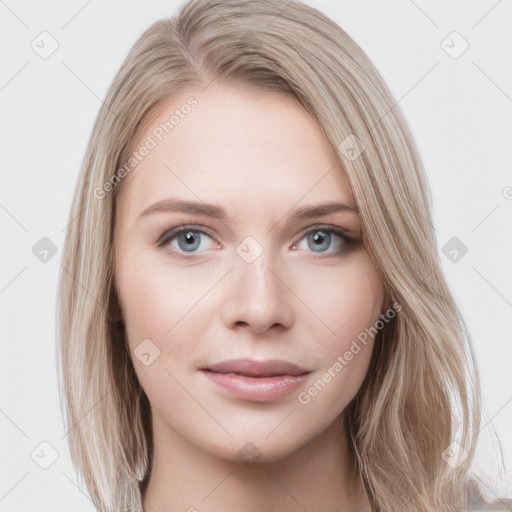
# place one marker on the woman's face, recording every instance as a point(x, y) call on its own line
point(246, 328)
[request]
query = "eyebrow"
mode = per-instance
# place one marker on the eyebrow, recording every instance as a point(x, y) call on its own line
point(212, 210)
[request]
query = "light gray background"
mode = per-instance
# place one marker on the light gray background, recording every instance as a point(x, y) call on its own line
point(460, 110)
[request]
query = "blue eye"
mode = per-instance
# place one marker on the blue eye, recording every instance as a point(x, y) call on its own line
point(320, 240)
point(190, 239)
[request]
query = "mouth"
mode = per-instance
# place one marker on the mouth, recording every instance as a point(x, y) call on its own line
point(256, 381)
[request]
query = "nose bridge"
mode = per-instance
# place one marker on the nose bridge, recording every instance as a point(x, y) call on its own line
point(257, 263)
point(260, 275)
point(256, 296)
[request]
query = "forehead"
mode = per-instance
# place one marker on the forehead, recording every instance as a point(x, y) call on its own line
point(236, 146)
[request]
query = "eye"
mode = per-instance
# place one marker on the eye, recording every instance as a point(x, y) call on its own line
point(190, 239)
point(325, 240)
point(187, 239)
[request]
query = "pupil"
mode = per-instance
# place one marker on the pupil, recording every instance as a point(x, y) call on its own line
point(321, 239)
point(190, 243)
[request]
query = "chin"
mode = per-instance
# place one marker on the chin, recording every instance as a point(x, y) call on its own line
point(259, 447)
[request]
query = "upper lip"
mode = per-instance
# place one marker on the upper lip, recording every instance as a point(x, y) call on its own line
point(253, 368)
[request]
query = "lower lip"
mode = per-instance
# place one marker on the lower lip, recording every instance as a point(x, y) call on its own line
point(257, 389)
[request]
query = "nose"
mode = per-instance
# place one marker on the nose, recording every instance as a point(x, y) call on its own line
point(257, 297)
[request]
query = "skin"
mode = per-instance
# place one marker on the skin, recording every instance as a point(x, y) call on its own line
point(259, 156)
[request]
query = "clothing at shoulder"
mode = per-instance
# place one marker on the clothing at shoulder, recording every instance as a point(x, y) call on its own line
point(475, 501)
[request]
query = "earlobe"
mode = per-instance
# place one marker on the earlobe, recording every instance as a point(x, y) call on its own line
point(116, 319)
point(385, 311)
point(115, 314)
point(387, 303)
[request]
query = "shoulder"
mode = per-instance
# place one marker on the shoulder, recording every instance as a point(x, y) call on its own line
point(475, 500)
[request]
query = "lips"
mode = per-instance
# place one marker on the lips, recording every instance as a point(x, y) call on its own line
point(252, 368)
point(258, 381)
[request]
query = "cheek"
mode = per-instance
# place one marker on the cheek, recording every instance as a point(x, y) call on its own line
point(145, 292)
point(346, 298)
point(157, 304)
point(163, 302)
point(348, 303)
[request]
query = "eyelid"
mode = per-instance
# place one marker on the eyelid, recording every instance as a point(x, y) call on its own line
point(183, 227)
point(337, 230)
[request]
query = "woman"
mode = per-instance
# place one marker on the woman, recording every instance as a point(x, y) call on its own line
point(252, 313)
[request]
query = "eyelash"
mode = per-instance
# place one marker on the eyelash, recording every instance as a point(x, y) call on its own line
point(172, 233)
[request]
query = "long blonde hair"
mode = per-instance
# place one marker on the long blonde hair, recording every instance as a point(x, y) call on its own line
point(420, 395)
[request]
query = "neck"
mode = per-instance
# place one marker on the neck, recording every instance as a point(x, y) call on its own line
point(319, 476)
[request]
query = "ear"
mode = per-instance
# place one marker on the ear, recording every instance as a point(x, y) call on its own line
point(387, 302)
point(115, 313)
